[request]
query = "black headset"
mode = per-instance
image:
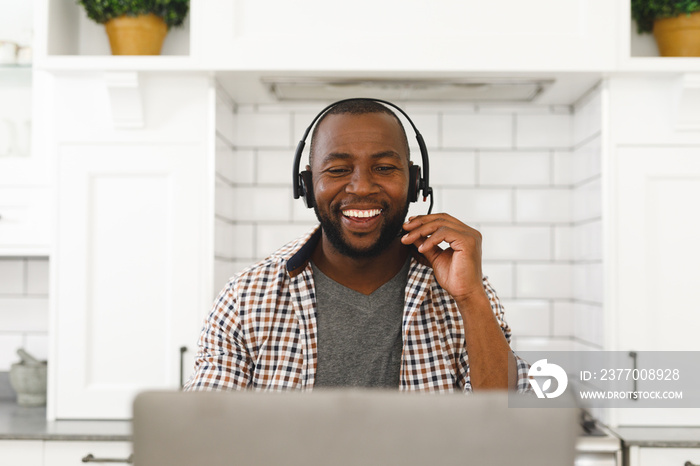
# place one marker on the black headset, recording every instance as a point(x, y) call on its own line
point(303, 186)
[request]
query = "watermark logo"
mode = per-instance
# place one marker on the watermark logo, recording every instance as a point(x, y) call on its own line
point(551, 371)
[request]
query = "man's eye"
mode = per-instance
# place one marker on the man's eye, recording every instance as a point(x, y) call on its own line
point(386, 169)
point(337, 171)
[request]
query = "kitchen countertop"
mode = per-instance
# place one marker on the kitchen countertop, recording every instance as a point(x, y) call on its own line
point(660, 437)
point(20, 423)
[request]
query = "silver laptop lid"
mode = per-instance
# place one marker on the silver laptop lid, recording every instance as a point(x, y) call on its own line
point(347, 428)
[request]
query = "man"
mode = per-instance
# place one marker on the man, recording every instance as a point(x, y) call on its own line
point(358, 301)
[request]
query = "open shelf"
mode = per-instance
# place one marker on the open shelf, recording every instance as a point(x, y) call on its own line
point(70, 33)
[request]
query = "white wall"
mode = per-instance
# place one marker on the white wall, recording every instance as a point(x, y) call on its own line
point(528, 177)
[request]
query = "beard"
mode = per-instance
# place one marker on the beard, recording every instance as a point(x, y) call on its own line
point(390, 230)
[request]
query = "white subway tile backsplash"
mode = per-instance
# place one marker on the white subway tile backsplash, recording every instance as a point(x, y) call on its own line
point(543, 205)
point(528, 317)
point(477, 131)
point(514, 169)
point(515, 243)
point(9, 344)
point(236, 166)
point(223, 271)
point(500, 275)
point(301, 213)
point(563, 169)
point(25, 314)
point(11, 276)
point(544, 131)
point(451, 168)
point(225, 120)
point(588, 241)
point(564, 319)
point(587, 201)
point(564, 243)
point(300, 121)
point(262, 203)
point(478, 205)
point(273, 237)
point(589, 323)
point(587, 161)
point(429, 128)
point(37, 276)
point(588, 117)
point(544, 281)
point(588, 282)
point(275, 167)
point(234, 240)
point(37, 345)
point(263, 130)
point(225, 200)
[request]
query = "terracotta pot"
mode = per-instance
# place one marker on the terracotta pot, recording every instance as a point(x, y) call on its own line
point(136, 35)
point(678, 36)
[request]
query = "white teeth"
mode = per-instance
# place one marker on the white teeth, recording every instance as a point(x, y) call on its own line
point(362, 213)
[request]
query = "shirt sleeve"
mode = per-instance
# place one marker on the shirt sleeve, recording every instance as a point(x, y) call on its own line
point(523, 384)
point(222, 361)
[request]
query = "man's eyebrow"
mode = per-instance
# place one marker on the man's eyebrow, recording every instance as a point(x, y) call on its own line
point(333, 156)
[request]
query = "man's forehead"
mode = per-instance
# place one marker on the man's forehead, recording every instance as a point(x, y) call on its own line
point(348, 128)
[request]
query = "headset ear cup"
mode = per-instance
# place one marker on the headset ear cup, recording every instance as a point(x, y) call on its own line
point(413, 183)
point(307, 188)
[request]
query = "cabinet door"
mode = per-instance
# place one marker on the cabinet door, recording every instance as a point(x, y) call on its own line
point(664, 456)
point(80, 453)
point(129, 273)
point(21, 452)
point(656, 253)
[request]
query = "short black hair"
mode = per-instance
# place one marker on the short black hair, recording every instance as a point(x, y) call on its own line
point(358, 107)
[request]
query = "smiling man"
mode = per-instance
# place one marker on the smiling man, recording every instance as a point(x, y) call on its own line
point(365, 299)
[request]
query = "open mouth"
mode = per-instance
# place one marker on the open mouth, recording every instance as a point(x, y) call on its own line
point(361, 214)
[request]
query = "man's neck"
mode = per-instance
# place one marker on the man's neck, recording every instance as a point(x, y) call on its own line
point(365, 274)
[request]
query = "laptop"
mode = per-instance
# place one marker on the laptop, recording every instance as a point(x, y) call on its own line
point(347, 428)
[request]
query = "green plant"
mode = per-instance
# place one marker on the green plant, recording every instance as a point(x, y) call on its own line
point(645, 12)
point(173, 12)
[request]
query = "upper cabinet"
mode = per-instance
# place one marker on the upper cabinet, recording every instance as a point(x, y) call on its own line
point(365, 35)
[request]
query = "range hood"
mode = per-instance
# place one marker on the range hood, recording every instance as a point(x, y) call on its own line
point(516, 90)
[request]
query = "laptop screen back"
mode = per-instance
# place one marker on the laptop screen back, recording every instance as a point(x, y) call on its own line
point(347, 428)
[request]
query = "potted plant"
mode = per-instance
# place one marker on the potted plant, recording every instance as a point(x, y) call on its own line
point(136, 27)
point(674, 23)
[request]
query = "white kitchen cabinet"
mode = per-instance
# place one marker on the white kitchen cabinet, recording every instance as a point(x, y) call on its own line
point(25, 220)
point(133, 254)
point(76, 453)
point(652, 184)
point(647, 456)
point(385, 35)
point(21, 452)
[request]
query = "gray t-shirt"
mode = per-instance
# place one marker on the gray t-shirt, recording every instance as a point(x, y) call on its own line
point(359, 336)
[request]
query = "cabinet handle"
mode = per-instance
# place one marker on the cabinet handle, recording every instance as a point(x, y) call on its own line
point(633, 355)
point(90, 458)
point(183, 350)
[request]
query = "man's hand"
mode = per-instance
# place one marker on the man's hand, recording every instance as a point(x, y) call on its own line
point(457, 268)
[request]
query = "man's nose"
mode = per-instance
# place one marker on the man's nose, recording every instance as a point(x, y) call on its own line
point(362, 183)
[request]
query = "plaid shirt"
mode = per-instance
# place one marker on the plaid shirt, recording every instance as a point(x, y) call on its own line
point(261, 333)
